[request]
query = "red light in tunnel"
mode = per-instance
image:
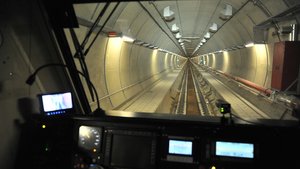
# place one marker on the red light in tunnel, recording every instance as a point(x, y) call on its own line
point(112, 34)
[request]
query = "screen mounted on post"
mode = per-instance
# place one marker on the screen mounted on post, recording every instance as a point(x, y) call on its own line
point(56, 103)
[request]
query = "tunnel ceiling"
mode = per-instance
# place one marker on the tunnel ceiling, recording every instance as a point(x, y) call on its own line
point(203, 25)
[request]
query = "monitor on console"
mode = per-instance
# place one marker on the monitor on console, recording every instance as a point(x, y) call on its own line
point(56, 103)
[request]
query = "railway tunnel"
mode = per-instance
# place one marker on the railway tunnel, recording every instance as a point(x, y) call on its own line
point(156, 57)
point(142, 47)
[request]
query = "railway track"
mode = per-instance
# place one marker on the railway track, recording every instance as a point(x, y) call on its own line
point(200, 89)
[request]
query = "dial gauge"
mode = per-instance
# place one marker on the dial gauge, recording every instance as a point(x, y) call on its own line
point(89, 138)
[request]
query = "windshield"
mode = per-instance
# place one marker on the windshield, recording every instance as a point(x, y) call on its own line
point(198, 57)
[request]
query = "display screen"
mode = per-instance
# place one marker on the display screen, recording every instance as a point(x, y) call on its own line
point(234, 149)
point(180, 147)
point(131, 151)
point(56, 102)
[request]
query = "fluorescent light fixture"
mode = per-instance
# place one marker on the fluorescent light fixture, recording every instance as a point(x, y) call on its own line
point(168, 14)
point(213, 28)
point(178, 35)
point(226, 13)
point(127, 39)
point(250, 44)
point(207, 35)
point(175, 28)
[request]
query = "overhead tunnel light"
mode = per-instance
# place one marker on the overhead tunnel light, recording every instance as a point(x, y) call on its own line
point(178, 35)
point(114, 34)
point(213, 28)
point(207, 35)
point(120, 35)
point(168, 14)
point(226, 13)
point(127, 39)
point(250, 44)
point(175, 29)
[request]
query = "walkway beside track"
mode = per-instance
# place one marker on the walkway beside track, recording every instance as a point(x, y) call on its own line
point(149, 100)
point(240, 106)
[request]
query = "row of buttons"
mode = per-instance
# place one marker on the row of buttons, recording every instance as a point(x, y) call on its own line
point(55, 113)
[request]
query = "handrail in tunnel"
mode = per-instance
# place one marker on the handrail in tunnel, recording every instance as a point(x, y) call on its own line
point(124, 88)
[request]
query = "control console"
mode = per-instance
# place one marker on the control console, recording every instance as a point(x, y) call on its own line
point(143, 141)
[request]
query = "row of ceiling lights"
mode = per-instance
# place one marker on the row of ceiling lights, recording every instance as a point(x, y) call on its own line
point(131, 40)
point(247, 45)
point(137, 42)
point(168, 15)
point(141, 43)
point(225, 14)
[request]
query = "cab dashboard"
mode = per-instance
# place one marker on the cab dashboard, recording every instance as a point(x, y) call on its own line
point(126, 140)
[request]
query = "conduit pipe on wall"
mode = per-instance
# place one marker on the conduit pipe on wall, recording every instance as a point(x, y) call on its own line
point(264, 90)
point(289, 100)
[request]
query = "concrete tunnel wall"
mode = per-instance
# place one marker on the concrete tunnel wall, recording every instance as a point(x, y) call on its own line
point(129, 69)
point(121, 70)
point(238, 30)
point(253, 64)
